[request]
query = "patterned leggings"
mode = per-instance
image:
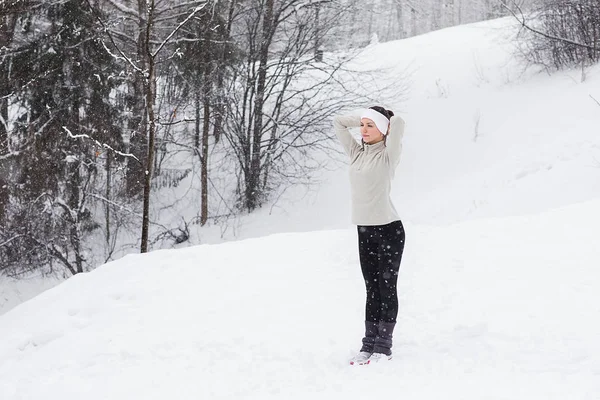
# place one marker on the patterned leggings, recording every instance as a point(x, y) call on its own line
point(380, 248)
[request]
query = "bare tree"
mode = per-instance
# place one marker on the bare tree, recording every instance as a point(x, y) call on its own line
point(144, 64)
point(208, 55)
point(562, 32)
point(284, 98)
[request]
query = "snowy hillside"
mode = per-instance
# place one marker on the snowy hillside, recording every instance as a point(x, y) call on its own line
point(491, 309)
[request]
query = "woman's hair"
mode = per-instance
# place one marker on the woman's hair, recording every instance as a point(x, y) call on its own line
point(387, 113)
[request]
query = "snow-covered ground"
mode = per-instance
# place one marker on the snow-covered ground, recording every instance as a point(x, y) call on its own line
point(501, 308)
point(499, 190)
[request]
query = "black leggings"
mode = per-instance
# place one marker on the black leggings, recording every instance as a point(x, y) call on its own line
point(380, 248)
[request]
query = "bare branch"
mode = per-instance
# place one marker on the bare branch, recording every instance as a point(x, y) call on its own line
point(112, 203)
point(175, 122)
point(58, 254)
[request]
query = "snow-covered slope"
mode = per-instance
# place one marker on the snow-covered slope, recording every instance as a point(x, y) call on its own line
point(490, 309)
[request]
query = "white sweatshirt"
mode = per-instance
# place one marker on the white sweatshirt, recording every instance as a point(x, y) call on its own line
point(372, 169)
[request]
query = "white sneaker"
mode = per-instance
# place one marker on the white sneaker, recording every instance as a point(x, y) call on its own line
point(361, 358)
point(378, 357)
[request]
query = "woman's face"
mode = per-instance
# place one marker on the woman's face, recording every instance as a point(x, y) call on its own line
point(369, 131)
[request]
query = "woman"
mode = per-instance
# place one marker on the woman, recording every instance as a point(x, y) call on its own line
point(380, 230)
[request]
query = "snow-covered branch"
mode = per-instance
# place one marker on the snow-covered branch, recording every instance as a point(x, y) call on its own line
point(84, 136)
point(124, 9)
point(110, 36)
point(10, 240)
point(122, 57)
point(9, 155)
point(4, 123)
point(181, 24)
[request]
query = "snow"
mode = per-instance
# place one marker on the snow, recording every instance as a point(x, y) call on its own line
point(499, 308)
point(499, 191)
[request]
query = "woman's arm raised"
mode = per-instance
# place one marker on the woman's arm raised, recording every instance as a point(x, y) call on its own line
point(341, 123)
point(394, 139)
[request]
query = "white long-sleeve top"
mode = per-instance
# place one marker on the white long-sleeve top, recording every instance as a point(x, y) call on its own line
point(372, 168)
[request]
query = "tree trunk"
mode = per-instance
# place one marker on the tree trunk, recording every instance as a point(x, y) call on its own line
point(219, 106)
point(253, 178)
point(413, 19)
point(108, 195)
point(150, 99)
point(400, 11)
point(7, 29)
point(318, 54)
point(435, 15)
point(138, 141)
point(73, 187)
point(197, 123)
point(370, 27)
point(74, 184)
point(204, 160)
